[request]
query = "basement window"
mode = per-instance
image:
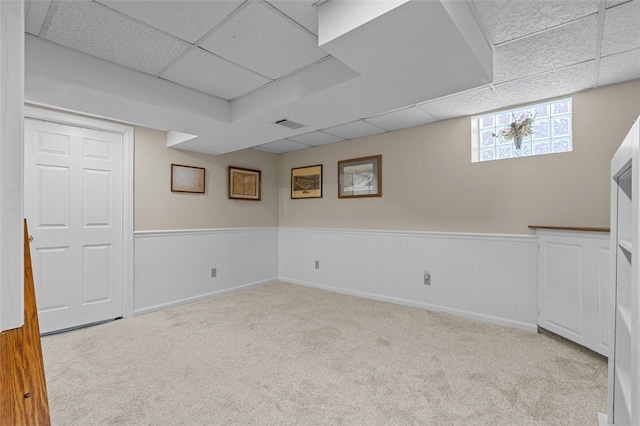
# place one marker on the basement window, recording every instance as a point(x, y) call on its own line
point(550, 132)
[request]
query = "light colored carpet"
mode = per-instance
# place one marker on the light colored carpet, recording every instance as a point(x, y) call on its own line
point(283, 354)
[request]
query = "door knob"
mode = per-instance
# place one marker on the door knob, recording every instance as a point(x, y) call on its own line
point(30, 238)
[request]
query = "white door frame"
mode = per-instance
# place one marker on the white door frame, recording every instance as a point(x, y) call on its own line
point(127, 186)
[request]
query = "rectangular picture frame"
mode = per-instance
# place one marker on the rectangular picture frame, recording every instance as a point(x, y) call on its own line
point(306, 182)
point(245, 184)
point(187, 179)
point(360, 177)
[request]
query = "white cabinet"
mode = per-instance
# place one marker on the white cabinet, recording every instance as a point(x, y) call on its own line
point(624, 406)
point(573, 286)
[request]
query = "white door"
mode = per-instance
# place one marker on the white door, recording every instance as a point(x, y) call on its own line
point(74, 207)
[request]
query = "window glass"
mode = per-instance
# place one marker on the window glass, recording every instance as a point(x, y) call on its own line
point(533, 130)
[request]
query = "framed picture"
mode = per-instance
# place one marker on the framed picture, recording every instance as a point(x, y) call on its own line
point(244, 184)
point(306, 182)
point(187, 179)
point(360, 177)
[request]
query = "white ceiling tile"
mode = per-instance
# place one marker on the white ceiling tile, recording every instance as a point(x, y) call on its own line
point(36, 12)
point(620, 67)
point(301, 11)
point(566, 45)
point(261, 39)
point(621, 28)
point(315, 138)
point(284, 145)
point(510, 19)
point(188, 22)
point(407, 117)
point(206, 72)
point(466, 103)
point(549, 85)
point(356, 129)
point(96, 30)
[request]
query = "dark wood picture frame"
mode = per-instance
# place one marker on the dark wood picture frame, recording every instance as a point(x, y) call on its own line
point(306, 182)
point(187, 179)
point(360, 177)
point(245, 184)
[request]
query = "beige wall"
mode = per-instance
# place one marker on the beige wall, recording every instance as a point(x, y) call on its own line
point(157, 208)
point(430, 184)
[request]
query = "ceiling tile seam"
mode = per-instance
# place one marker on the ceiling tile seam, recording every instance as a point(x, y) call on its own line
point(299, 143)
point(546, 30)
point(596, 68)
point(131, 18)
point(236, 64)
point(545, 72)
point(480, 22)
point(220, 24)
point(53, 7)
point(290, 19)
point(619, 4)
point(621, 52)
point(371, 124)
point(329, 134)
point(503, 102)
point(453, 95)
point(280, 78)
point(175, 61)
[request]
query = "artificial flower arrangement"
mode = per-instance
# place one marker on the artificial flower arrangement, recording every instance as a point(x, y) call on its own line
point(520, 126)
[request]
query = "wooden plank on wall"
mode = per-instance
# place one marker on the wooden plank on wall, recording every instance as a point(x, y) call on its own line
point(23, 389)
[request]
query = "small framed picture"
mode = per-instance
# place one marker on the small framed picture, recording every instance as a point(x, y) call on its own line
point(306, 182)
point(360, 177)
point(187, 179)
point(244, 184)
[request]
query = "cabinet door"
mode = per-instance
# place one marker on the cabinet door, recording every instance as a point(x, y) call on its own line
point(563, 290)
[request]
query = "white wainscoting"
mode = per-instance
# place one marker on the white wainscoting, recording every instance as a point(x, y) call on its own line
point(486, 277)
point(174, 267)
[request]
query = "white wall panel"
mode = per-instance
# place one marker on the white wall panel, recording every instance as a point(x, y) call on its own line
point(174, 267)
point(487, 277)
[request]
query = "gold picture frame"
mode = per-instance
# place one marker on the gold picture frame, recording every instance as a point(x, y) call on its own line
point(360, 177)
point(245, 184)
point(306, 182)
point(187, 179)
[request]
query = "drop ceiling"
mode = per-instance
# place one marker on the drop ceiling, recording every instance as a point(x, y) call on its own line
point(217, 75)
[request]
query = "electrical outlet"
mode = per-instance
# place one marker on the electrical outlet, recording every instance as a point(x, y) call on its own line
point(427, 278)
point(214, 272)
point(317, 264)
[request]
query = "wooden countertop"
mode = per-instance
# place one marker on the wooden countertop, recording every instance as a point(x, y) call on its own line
point(570, 228)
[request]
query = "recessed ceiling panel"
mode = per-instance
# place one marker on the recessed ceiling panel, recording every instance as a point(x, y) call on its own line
point(553, 49)
point(621, 28)
point(315, 138)
point(621, 67)
point(466, 103)
point(284, 145)
point(511, 19)
point(204, 71)
point(261, 39)
point(556, 83)
point(96, 30)
point(356, 129)
point(301, 11)
point(188, 23)
point(36, 12)
point(407, 117)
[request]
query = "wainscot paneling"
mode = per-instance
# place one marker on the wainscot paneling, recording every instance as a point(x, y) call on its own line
point(174, 267)
point(481, 276)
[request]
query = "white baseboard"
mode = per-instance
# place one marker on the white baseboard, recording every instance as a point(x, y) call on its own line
point(602, 420)
point(435, 308)
point(202, 297)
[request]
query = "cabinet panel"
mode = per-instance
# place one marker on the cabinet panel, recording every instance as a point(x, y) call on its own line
point(574, 286)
